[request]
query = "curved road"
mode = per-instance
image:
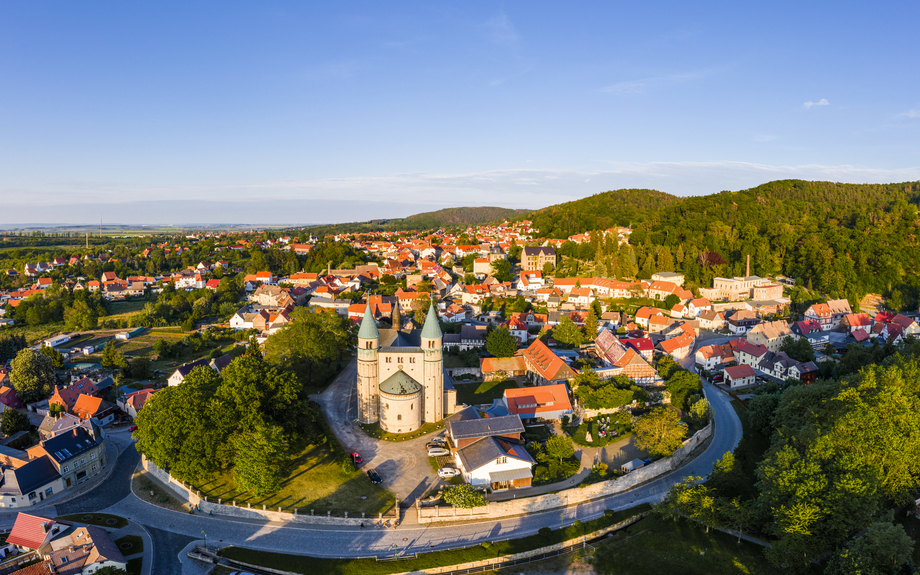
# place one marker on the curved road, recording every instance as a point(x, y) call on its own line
point(172, 531)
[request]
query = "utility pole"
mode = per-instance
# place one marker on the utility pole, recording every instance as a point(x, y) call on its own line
point(100, 225)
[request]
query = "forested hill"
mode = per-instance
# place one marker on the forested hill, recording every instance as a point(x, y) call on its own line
point(446, 218)
point(845, 240)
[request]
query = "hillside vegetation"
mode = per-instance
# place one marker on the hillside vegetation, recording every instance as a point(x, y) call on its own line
point(446, 218)
point(844, 240)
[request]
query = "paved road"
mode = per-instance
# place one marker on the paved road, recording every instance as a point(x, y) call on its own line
point(403, 465)
point(330, 541)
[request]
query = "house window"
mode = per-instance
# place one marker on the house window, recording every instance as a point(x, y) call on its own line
point(82, 461)
point(501, 460)
point(93, 456)
point(411, 360)
point(94, 468)
point(411, 406)
point(31, 496)
point(400, 360)
point(66, 469)
point(389, 360)
point(49, 492)
point(399, 417)
point(386, 406)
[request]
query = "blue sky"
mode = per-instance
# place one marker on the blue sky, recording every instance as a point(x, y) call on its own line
point(359, 110)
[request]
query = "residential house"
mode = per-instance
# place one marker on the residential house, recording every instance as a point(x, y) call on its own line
point(677, 347)
point(472, 337)
point(748, 354)
point(29, 484)
point(178, 376)
point(88, 407)
point(534, 258)
point(624, 359)
point(545, 366)
point(548, 402)
point(644, 314)
point(530, 280)
point(672, 277)
point(711, 320)
point(771, 334)
point(643, 346)
point(489, 451)
point(501, 368)
point(712, 357)
point(131, 403)
point(67, 397)
point(518, 329)
point(781, 367)
point(856, 321)
point(64, 549)
point(829, 315)
point(77, 455)
point(741, 321)
point(740, 376)
point(697, 306)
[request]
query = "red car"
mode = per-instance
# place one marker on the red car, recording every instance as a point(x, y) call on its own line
point(133, 428)
point(356, 459)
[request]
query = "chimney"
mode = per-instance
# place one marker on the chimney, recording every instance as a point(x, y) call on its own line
point(45, 527)
point(747, 269)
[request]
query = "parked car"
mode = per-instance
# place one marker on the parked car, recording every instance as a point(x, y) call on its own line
point(717, 377)
point(133, 428)
point(436, 444)
point(448, 472)
point(356, 459)
point(631, 466)
point(437, 452)
point(374, 476)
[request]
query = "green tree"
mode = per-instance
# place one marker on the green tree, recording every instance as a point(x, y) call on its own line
point(80, 316)
point(464, 496)
point(560, 447)
point(501, 343)
point(681, 385)
point(140, 367)
point(57, 359)
point(32, 375)
point(660, 432)
point(311, 344)
point(261, 457)
point(111, 357)
point(690, 499)
point(501, 270)
point(186, 429)
point(547, 269)
point(568, 333)
point(884, 549)
point(799, 349)
point(13, 421)
point(671, 301)
point(591, 325)
point(700, 412)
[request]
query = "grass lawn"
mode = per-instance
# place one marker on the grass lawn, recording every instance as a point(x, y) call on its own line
point(315, 481)
point(620, 424)
point(125, 309)
point(373, 430)
point(134, 566)
point(309, 566)
point(485, 392)
point(658, 545)
point(100, 519)
point(130, 544)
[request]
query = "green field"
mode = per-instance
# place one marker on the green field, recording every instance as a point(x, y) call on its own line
point(316, 481)
point(658, 545)
point(119, 310)
point(485, 392)
point(373, 430)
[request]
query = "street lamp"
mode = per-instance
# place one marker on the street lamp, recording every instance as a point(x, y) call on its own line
point(205, 540)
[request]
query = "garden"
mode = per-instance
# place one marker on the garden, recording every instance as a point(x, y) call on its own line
point(482, 392)
point(603, 430)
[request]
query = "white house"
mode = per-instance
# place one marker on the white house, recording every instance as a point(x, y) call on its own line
point(740, 376)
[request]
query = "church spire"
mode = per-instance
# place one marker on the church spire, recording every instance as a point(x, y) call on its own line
point(396, 317)
point(368, 325)
point(431, 330)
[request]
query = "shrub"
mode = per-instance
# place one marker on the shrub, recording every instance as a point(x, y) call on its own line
point(545, 531)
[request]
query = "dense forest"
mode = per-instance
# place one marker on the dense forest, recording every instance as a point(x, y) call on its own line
point(844, 240)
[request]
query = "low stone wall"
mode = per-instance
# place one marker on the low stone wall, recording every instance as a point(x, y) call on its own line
point(457, 371)
point(567, 497)
point(190, 496)
point(534, 552)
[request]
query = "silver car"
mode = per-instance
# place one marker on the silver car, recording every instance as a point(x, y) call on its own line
point(437, 452)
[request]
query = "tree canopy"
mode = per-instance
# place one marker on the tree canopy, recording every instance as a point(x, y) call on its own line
point(501, 343)
point(32, 375)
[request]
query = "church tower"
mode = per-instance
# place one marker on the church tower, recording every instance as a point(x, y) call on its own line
point(368, 342)
point(431, 342)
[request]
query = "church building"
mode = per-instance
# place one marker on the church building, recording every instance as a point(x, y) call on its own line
point(401, 375)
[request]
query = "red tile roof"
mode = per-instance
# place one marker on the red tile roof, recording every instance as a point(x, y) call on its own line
point(27, 530)
point(740, 371)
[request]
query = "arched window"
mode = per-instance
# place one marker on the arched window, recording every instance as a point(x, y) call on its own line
point(367, 345)
point(411, 406)
point(399, 417)
point(386, 406)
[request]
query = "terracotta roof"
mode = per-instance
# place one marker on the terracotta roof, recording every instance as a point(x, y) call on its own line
point(676, 343)
point(740, 371)
point(547, 364)
point(27, 530)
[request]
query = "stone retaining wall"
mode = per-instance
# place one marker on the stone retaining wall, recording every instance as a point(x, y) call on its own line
point(568, 497)
point(534, 552)
point(187, 494)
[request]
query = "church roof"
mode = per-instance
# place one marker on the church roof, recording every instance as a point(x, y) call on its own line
point(368, 325)
point(398, 338)
point(431, 329)
point(400, 383)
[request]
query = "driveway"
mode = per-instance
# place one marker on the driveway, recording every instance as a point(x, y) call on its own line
point(403, 465)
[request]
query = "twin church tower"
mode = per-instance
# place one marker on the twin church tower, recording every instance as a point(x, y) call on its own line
point(401, 374)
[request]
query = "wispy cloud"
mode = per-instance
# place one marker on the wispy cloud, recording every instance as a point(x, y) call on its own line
point(911, 114)
point(821, 102)
point(501, 30)
point(642, 85)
